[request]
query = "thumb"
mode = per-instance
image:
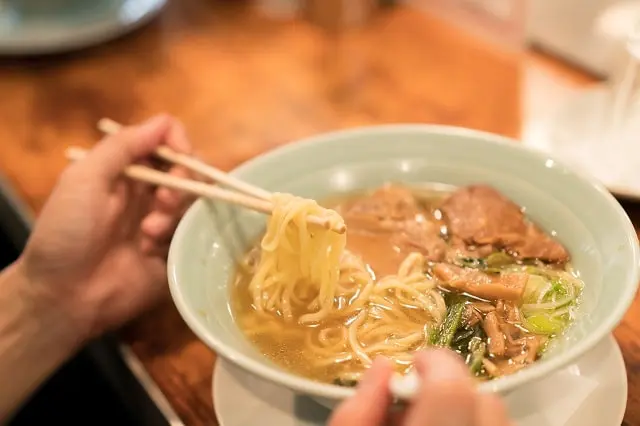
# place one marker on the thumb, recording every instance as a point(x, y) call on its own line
point(368, 407)
point(114, 153)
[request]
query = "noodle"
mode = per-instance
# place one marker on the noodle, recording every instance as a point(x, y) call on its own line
point(305, 274)
point(315, 305)
point(295, 255)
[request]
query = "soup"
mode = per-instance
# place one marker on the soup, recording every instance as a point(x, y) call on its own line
point(463, 269)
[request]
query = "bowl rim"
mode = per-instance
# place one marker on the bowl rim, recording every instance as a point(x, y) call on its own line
point(501, 385)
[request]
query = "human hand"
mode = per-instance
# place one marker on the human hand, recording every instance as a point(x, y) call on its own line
point(99, 247)
point(446, 397)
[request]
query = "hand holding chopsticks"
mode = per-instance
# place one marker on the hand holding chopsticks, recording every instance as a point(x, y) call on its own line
point(248, 195)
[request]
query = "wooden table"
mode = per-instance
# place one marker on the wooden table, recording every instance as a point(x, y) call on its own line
point(242, 85)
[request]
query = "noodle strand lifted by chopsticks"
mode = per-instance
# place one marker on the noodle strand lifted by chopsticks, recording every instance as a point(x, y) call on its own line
point(305, 274)
point(295, 255)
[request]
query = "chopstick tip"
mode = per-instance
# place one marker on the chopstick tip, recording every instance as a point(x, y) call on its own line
point(109, 126)
point(74, 153)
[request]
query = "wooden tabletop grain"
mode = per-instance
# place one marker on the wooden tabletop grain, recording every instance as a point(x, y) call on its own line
point(243, 84)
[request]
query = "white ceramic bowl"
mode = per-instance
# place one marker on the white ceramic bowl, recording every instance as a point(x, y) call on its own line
point(587, 219)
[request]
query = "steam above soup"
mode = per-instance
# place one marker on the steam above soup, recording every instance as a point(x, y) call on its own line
point(464, 270)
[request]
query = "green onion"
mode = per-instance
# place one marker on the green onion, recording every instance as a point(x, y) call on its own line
point(444, 336)
point(477, 349)
point(549, 298)
point(498, 259)
point(542, 323)
point(471, 262)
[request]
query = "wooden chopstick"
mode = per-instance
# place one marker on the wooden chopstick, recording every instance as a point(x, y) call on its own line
point(155, 177)
point(110, 127)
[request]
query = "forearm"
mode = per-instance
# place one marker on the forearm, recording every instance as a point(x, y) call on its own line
point(35, 339)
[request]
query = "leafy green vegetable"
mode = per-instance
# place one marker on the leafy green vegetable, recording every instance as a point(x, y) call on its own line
point(463, 336)
point(477, 349)
point(535, 284)
point(499, 259)
point(493, 263)
point(444, 336)
point(546, 324)
point(548, 300)
point(550, 289)
point(472, 262)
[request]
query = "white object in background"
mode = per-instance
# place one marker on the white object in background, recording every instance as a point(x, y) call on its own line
point(501, 9)
point(615, 25)
point(617, 21)
point(280, 9)
point(591, 392)
point(596, 129)
point(543, 97)
point(502, 22)
point(570, 29)
point(96, 22)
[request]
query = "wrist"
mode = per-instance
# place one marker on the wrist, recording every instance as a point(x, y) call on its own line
point(36, 337)
point(41, 304)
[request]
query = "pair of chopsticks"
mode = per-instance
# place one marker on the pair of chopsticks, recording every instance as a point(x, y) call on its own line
point(247, 195)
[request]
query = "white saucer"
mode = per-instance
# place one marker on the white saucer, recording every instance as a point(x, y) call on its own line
point(89, 23)
point(242, 399)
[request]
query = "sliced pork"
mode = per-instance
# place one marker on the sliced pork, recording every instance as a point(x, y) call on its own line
point(479, 215)
point(490, 287)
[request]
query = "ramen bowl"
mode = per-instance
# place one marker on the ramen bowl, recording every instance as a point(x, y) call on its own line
point(585, 218)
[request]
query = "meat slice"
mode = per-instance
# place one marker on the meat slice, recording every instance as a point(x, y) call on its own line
point(482, 307)
point(525, 349)
point(480, 215)
point(491, 325)
point(423, 236)
point(391, 216)
point(472, 316)
point(389, 203)
point(510, 314)
point(490, 287)
point(539, 245)
point(458, 248)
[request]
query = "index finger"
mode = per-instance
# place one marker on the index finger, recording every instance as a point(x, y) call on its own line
point(177, 140)
point(114, 153)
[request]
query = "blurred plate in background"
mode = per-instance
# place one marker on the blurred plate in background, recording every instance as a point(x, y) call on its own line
point(69, 28)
